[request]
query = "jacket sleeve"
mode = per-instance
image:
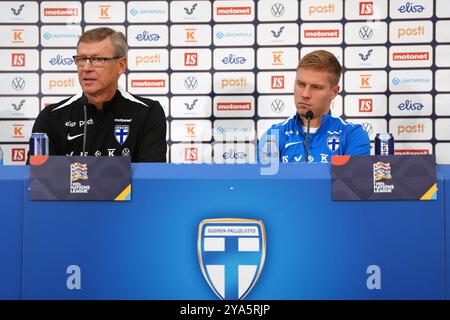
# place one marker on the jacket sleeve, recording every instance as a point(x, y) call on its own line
point(357, 142)
point(153, 144)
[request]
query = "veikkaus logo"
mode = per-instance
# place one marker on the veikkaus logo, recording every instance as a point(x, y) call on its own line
point(408, 105)
point(410, 7)
point(147, 36)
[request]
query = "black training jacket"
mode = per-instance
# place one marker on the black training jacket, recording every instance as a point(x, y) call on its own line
point(127, 126)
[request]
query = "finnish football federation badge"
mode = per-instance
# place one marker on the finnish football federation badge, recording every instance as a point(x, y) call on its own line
point(231, 253)
point(121, 133)
point(333, 143)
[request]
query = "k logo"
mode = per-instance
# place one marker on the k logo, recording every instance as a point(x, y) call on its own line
point(231, 253)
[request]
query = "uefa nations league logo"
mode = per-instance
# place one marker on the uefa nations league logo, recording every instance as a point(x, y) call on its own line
point(231, 253)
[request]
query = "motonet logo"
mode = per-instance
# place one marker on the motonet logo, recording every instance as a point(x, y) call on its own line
point(330, 33)
point(157, 83)
point(233, 11)
point(411, 56)
point(411, 151)
point(234, 106)
point(60, 12)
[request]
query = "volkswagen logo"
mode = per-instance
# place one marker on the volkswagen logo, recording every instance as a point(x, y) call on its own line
point(365, 32)
point(367, 127)
point(191, 83)
point(18, 83)
point(277, 105)
point(277, 10)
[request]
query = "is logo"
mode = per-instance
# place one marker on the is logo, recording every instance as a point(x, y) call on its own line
point(18, 59)
point(333, 143)
point(277, 82)
point(365, 105)
point(277, 34)
point(17, 154)
point(18, 83)
point(191, 59)
point(365, 32)
point(191, 154)
point(18, 11)
point(366, 56)
point(190, 11)
point(191, 105)
point(79, 178)
point(366, 8)
point(121, 133)
point(18, 107)
point(191, 83)
point(382, 171)
point(277, 10)
point(231, 254)
point(277, 105)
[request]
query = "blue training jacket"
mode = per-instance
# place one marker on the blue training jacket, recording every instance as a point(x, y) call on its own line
point(334, 137)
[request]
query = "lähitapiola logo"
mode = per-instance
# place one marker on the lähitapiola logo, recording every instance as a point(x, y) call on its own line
point(395, 81)
point(277, 9)
point(231, 253)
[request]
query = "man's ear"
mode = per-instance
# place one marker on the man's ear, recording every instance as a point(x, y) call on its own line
point(335, 91)
point(123, 62)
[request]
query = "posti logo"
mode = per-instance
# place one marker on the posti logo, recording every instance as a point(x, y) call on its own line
point(411, 129)
point(141, 59)
point(411, 31)
point(323, 33)
point(60, 83)
point(226, 82)
point(321, 10)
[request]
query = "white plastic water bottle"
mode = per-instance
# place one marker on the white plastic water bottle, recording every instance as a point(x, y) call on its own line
point(1, 156)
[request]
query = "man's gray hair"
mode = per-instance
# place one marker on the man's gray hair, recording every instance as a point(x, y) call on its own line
point(118, 39)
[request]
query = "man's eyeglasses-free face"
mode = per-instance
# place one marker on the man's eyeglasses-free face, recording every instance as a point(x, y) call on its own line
point(95, 61)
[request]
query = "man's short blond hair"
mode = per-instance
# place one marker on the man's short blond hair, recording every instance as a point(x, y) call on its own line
point(322, 60)
point(118, 39)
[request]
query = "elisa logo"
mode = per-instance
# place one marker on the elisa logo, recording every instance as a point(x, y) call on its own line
point(366, 8)
point(365, 105)
point(18, 59)
point(147, 36)
point(410, 7)
point(409, 105)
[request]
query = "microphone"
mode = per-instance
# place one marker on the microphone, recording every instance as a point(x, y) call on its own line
point(85, 130)
point(309, 115)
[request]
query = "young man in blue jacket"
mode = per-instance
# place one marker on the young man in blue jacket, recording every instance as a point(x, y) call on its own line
point(316, 85)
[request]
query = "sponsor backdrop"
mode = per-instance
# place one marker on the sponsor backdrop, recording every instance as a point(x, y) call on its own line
point(224, 70)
